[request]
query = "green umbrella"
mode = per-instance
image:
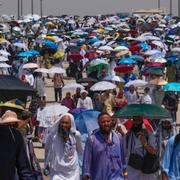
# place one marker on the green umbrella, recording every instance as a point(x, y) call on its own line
point(154, 70)
point(172, 86)
point(150, 111)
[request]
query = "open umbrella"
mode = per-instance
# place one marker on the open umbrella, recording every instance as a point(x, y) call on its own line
point(103, 86)
point(114, 78)
point(58, 54)
point(20, 45)
point(42, 70)
point(159, 82)
point(57, 70)
point(172, 86)
point(4, 53)
point(30, 66)
point(136, 83)
point(72, 86)
point(3, 59)
point(86, 121)
point(88, 79)
point(150, 111)
point(124, 68)
point(126, 60)
point(75, 56)
point(12, 88)
point(106, 48)
point(4, 65)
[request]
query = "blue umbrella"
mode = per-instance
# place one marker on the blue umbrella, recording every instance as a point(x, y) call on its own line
point(137, 57)
point(50, 44)
point(28, 53)
point(144, 46)
point(173, 58)
point(86, 121)
point(172, 86)
point(126, 60)
point(34, 52)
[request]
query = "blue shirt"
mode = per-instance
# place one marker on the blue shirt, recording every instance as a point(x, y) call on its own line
point(103, 160)
point(171, 160)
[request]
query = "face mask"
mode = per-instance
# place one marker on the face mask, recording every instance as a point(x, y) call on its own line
point(137, 127)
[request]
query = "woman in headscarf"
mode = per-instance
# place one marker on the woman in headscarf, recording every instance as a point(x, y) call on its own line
point(62, 148)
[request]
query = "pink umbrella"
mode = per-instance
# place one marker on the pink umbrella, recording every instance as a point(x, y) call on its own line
point(30, 66)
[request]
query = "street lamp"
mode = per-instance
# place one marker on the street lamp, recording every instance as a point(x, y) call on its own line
point(32, 7)
point(179, 8)
point(21, 8)
point(41, 8)
point(159, 4)
point(170, 8)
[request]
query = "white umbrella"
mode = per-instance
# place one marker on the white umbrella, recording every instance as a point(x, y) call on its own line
point(159, 44)
point(160, 60)
point(4, 53)
point(30, 66)
point(114, 78)
point(103, 86)
point(176, 49)
point(72, 86)
point(21, 45)
point(106, 48)
point(17, 29)
point(152, 52)
point(4, 65)
point(3, 59)
point(96, 44)
point(42, 70)
point(120, 48)
point(57, 70)
point(136, 83)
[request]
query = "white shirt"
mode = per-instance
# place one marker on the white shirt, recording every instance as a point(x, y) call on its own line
point(132, 98)
point(146, 99)
point(85, 103)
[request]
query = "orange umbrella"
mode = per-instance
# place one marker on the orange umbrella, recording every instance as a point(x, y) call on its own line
point(159, 82)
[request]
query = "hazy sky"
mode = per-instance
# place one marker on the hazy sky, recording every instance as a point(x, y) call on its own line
point(83, 7)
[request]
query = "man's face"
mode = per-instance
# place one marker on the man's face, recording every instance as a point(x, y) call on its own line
point(105, 124)
point(65, 123)
point(84, 95)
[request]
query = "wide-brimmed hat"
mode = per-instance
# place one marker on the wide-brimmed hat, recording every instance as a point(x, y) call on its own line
point(9, 117)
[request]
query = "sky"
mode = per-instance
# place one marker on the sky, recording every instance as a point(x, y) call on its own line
point(84, 7)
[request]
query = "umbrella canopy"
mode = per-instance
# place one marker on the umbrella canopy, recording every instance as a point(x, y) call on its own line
point(103, 86)
point(153, 71)
point(124, 68)
point(20, 45)
point(57, 70)
point(136, 83)
point(58, 54)
point(86, 121)
point(88, 79)
point(126, 60)
point(72, 86)
point(172, 86)
point(30, 66)
point(159, 82)
point(4, 65)
point(4, 53)
point(114, 78)
point(3, 59)
point(50, 44)
point(120, 48)
point(42, 70)
point(106, 48)
point(75, 56)
point(12, 88)
point(12, 105)
point(150, 111)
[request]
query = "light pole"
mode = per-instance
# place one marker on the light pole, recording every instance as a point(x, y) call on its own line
point(32, 7)
point(159, 4)
point(18, 9)
point(179, 8)
point(21, 8)
point(41, 8)
point(170, 8)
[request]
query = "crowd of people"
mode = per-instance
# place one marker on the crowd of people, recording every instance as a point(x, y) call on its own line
point(111, 63)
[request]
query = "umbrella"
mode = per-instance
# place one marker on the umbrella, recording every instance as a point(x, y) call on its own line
point(12, 88)
point(122, 53)
point(88, 79)
point(172, 86)
point(57, 70)
point(97, 64)
point(176, 49)
point(137, 57)
point(4, 65)
point(106, 48)
point(58, 54)
point(75, 56)
point(30, 66)
point(76, 111)
point(20, 45)
point(4, 53)
point(124, 68)
point(158, 71)
point(120, 48)
point(42, 70)
point(50, 44)
point(52, 112)
point(150, 111)
point(136, 83)
point(86, 121)
point(12, 105)
point(72, 86)
point(152, 52)
point(159, 82)
point(126, 60)
point(3, 59)
point(103, 86)
point(91, 55)
point(114, 78)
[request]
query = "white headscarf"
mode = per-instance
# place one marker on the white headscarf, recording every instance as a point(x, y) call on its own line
point(63, 158)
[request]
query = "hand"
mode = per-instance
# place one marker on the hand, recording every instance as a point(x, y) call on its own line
point(142, 139)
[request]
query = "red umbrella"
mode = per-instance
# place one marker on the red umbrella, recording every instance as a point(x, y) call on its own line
point(135, 48)
point(133, 31)
point(129, 123)
point(154, 64)
point(124, 68)
point(75, 56)
point(91, 55)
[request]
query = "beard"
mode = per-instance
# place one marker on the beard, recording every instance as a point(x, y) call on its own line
point(105, 130)
point(64, 133)
point(137, 127)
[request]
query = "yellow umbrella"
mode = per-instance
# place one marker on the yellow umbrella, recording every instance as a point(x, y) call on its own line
point(58, 54)
point(12, 105)
point(122, 53)
point(51, 38)
point(100, 30)
point(2, 39)
point(159, 82)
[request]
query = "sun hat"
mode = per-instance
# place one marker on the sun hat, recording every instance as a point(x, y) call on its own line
point(9, 117)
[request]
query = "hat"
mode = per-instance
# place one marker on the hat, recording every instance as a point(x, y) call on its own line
point(9, 117)
point(83, 91)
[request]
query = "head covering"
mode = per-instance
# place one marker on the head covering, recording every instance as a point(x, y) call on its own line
point(84, 91)
point(9, 117)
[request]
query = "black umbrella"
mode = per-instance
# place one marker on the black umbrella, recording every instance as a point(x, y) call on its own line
point(12, 88)
point(88, 79)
